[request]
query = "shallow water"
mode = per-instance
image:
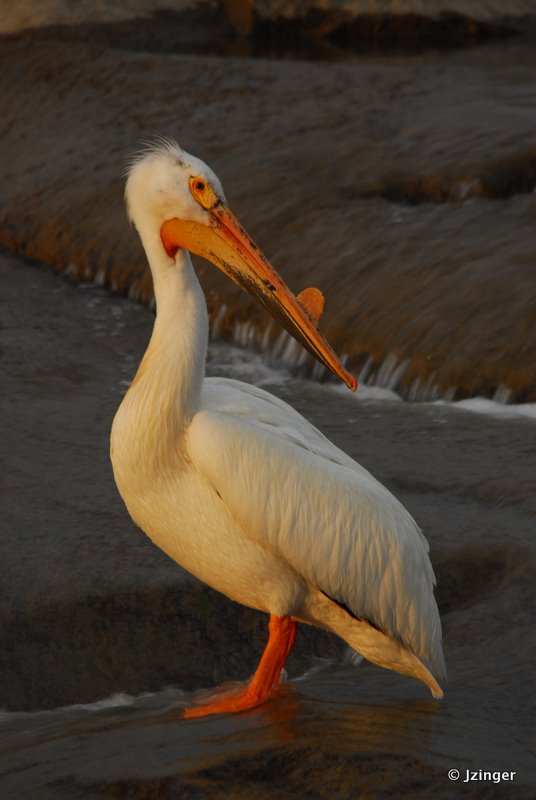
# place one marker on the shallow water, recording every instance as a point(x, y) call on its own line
point(325, 733)
point(90, 609)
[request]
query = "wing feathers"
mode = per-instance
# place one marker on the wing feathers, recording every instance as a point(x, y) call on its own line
point(294, 492)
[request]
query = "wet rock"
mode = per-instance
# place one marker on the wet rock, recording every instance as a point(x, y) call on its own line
point(403, 191)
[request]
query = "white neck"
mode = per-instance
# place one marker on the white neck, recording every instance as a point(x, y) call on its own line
point(169, 380)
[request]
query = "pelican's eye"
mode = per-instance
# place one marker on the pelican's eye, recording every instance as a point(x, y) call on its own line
point(203, 193)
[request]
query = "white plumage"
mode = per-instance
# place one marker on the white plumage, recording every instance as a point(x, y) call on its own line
point(232, 482)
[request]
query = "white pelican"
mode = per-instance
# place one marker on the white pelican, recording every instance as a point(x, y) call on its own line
point(238, 487)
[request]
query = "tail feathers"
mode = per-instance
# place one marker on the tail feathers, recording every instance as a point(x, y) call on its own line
point(384, 651)
point(373, 644)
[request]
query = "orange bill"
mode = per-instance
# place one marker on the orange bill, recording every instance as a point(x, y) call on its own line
point(312, 301)
point(229, 247)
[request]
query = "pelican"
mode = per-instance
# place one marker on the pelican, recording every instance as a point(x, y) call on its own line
point(234, 484)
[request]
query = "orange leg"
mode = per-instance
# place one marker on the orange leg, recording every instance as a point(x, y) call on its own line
point(282, 633)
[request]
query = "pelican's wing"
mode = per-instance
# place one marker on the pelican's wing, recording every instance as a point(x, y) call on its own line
point(271, 415)
point(297, 494)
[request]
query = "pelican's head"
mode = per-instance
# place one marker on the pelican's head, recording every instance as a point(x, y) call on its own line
point(177, 197)
point(161, 186)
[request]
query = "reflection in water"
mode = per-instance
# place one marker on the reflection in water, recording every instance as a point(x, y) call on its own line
point(335, 723)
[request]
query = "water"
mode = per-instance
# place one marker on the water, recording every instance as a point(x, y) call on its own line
point(280, 364)
point(106, 621)
point(402, 186)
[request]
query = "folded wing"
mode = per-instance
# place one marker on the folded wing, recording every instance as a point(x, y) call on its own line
point(297, 494)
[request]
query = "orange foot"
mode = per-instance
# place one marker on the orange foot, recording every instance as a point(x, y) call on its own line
point(281, 639)
point(225, 702)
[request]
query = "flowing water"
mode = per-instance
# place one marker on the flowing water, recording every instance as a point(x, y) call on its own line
point(425, 249)
point(96, 622)
point(402, 186)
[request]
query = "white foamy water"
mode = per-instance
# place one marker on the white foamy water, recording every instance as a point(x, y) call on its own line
point(169, 696)
point(482, 405)
point(284, 358)
point(162, 699)
point(477, 405)
point(241, 363)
